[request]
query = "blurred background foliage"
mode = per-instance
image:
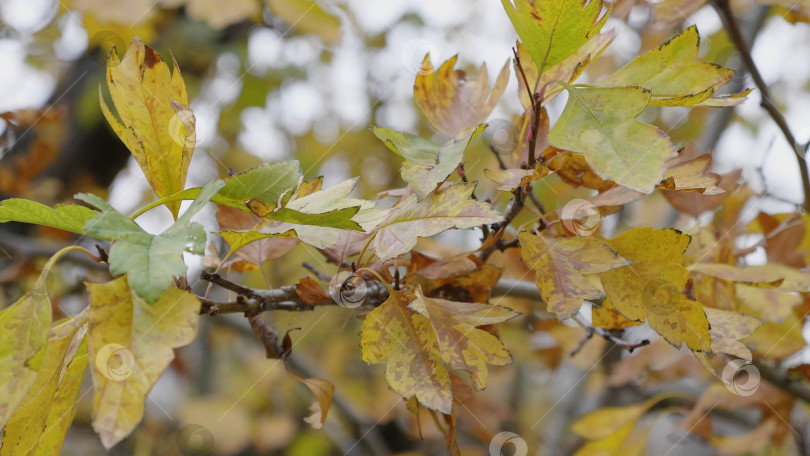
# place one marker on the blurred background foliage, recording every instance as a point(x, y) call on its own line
point(279, 79)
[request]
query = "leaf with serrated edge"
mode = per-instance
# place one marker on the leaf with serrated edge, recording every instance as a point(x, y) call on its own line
point(463, 345)
point(40, 423)
point(654, 287)
point(142, 89)
point(671, 73)
point(728, 328)
point(601, 124)
point(552, 30)
point(68, 217)
point(559, 265)
point(450, 206)
point(149, 332)
point(454, 102)
point(150, 261)
point(509, 179)
point(348, 213)
point(405, 341)
point(25, 330)
point(432, 166)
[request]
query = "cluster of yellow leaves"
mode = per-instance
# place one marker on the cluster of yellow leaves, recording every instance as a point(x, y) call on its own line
point(420, 337)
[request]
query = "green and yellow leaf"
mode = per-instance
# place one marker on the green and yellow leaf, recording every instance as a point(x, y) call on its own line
point(450, 206)
point(40, 423)
point(405, 341)
point(154, 120)
point(463, 345)
point(131, 342)
point(601, 124)
point(559, 265)
point(655, 286)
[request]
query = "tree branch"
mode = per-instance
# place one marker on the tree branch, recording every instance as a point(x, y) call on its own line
point(723, 9)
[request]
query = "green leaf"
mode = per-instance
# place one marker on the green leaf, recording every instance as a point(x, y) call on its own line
point(69, 217)
point(426, 164)
point(450, 206)
point(338, 218)
point(150, 261)
point(268, 182)
point(332, 210)
point(671, 73)
point(239, 239)
point(43, 417)
point(552, 30)
point(601, 123)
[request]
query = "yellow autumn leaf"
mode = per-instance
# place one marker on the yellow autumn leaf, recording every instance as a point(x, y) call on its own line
point(463, 345)
point(607, 429)
point(405, 341)
point(24, 337)
point(40, 423)
point(153, 118)
point(451, 101)
point(559, 265)
point(728, 328)
point(671, 73)
point(509, 179)
point(130, 343)
point(606, 316)
point(773, 304)
point(764, 276)
point(654, 287)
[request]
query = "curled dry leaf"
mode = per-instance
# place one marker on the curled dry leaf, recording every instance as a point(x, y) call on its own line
point(323, 390)
point(452, 102)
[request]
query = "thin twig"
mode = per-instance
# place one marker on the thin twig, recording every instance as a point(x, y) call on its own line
point(723, 9)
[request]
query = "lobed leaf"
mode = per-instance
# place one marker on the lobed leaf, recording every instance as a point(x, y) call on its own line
point(155, 122)
point(451, 101)
point(601, 124)
point(426, 165)
point(671, 73)
point(40, 423)
point(150, 261)
point(559, 265)
point(447, 207)
point(552, 30)
point(130, 342)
